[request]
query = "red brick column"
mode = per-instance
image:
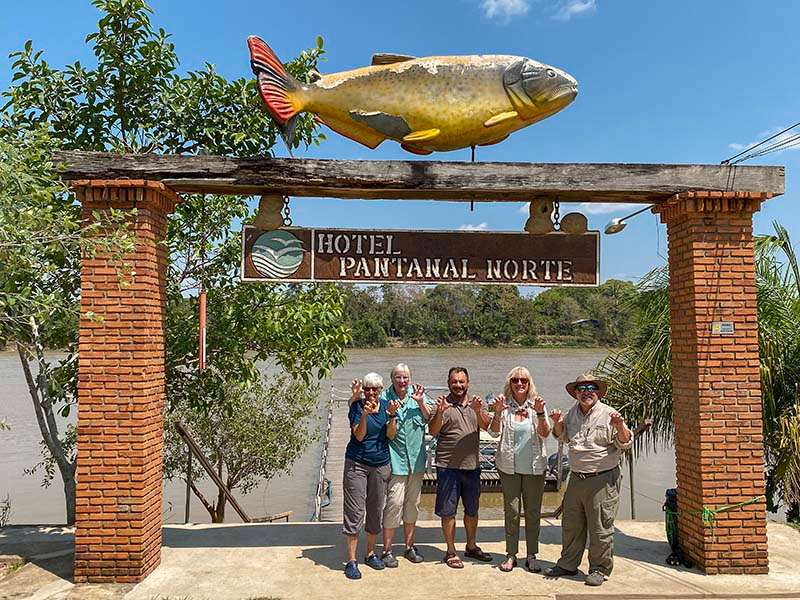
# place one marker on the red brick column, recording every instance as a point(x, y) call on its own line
point(716, 386)
point(121, 391)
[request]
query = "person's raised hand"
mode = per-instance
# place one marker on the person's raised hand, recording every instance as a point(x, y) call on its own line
point(355, 388)
point(539, 405)
point(617, 421)
point(371, 407)
point(418, 393)
point(391, 410)
point(500, 405)
point(441, 404)
point(557, 416)
point(476, 404)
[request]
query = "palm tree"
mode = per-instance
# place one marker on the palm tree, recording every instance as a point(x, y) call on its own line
point(639, 375)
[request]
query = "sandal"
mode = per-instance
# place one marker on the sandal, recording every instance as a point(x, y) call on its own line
point(453, 561)
point(508, 565)
point(477, 554)
point(532, 565)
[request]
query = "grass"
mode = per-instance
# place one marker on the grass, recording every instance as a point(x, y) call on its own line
point(8, 568)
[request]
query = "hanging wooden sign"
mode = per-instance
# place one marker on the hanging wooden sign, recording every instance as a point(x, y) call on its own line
point(370, 256)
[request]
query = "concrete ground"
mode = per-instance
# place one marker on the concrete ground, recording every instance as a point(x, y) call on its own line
point(305, 561)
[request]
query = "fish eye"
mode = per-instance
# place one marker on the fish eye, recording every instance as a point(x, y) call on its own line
point(551, 73)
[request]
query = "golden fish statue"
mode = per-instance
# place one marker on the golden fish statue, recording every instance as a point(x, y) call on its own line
point(432, 104)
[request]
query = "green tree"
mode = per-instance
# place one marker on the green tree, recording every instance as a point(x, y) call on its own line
point(135, 100)
point(639, 375)
point(448, 307)
point(363, 314)
point(494, 317)
point(274, 422)
point(41, 241)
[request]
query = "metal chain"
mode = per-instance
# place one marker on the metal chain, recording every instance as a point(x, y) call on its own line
point(287, 219)
point(556, 215)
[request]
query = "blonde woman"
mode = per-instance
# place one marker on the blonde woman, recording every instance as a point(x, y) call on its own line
point(521, 423)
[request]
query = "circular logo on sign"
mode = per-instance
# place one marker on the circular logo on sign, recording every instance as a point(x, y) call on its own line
point(277, 254)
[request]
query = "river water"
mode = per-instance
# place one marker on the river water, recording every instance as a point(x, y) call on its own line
point(30, 503)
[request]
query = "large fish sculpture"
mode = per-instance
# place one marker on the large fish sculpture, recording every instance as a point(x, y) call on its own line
point(431, 104)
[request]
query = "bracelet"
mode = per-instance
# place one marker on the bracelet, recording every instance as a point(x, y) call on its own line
point(541, 415)
point(391, 416)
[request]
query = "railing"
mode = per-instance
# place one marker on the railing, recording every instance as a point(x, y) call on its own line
point(323, 496)
point(194, 449)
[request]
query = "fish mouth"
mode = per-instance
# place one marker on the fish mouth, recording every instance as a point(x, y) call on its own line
point(567, 91)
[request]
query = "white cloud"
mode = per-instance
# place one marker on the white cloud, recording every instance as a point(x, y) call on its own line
point(480, 227)
point(589, 208)
point(504, 9)
point(786, 141)
point(605, 208)
point(566, 9)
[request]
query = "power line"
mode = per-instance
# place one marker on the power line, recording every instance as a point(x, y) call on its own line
point(731, 161)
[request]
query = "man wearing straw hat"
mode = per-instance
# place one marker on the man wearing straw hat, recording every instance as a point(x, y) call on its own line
point(596, 436)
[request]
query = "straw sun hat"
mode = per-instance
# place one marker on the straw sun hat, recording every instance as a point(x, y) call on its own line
point(587, 378)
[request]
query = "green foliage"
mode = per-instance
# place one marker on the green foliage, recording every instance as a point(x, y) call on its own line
point(42, 238)
point(253, 434)
point(41, 241)
point(639, 375)
point(48, 465)
point(489, 315)
point(134, 99)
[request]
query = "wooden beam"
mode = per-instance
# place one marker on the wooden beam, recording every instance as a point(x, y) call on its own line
point(422, 180)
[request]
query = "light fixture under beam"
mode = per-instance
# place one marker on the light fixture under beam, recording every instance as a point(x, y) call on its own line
point(617, 225)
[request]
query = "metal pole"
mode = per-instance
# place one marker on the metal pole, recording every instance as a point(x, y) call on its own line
point(559, 466)
point(188, 482)
point(630, 475)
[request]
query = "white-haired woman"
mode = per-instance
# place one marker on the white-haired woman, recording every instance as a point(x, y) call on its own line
point(408, 459)
point(522, 425)
point(366, 468)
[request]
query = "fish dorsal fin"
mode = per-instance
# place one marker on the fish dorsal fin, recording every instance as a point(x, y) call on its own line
point(421, 136)
point(501, 118)
point(388, 59)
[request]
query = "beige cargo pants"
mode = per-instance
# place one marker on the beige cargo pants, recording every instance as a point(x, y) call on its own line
point(590, 507)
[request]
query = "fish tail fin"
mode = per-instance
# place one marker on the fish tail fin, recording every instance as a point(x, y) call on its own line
point(278, 88)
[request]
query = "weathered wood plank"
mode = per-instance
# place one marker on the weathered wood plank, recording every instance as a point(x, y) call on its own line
point(422, 180)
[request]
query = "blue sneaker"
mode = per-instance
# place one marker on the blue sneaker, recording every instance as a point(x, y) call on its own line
point(351, 570)
point(373, 561)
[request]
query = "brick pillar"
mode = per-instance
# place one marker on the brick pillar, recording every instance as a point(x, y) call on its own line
point(716, 388)
point(121, 391)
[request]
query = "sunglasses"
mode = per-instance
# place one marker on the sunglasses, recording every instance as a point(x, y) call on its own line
point(518, 380)
point(370, 389)
point(586, 387)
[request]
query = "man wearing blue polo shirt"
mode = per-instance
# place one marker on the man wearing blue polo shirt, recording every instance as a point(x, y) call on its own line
point(408, 458)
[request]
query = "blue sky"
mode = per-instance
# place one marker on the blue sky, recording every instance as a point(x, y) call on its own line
point(659, 82)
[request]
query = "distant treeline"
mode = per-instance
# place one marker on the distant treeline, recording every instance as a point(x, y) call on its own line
point(489, 315)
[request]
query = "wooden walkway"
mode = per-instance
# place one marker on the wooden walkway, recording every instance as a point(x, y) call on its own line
point(334, 468)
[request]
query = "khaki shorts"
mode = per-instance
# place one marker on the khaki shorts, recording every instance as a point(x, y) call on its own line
point(402, 500)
